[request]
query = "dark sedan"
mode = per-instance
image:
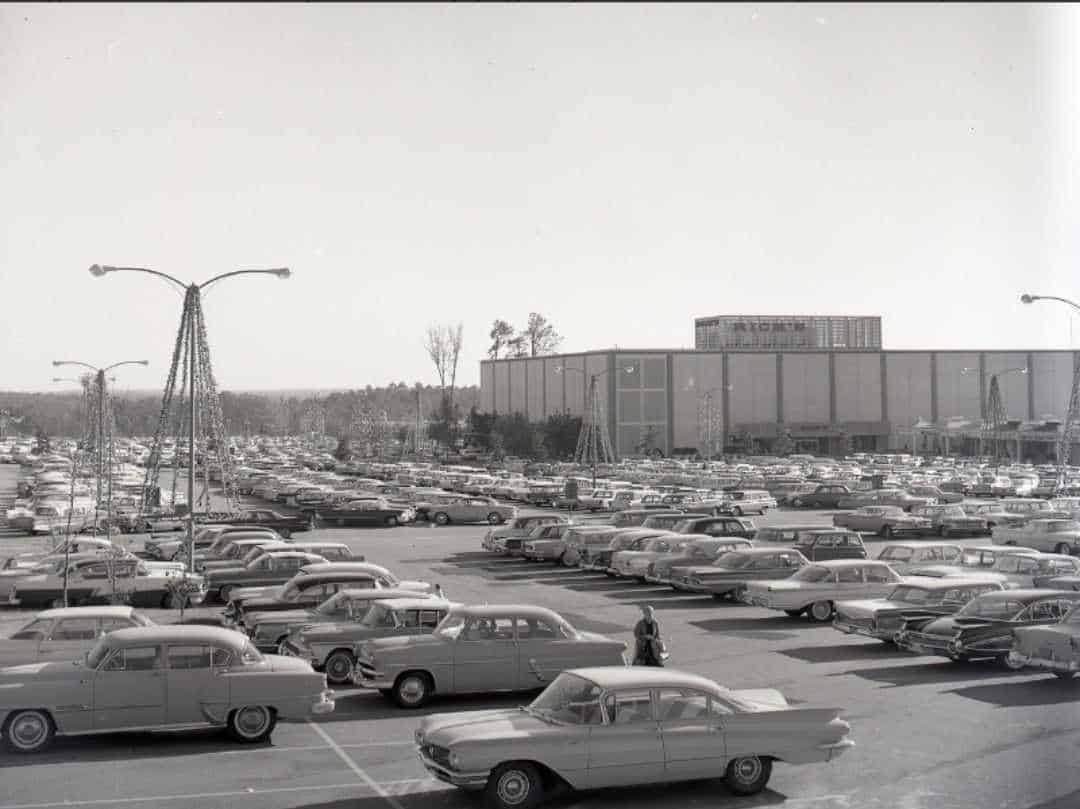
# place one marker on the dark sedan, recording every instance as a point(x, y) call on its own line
point(366, 513)
point(284, 524)
point(275, 567)
point(983, 629)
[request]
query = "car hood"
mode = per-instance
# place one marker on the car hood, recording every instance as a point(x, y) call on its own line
point(290, 664)
point(282, 617)
point(403, 643)
point(248, 594)
point(220, 572)
point(29, 674)
point(449, 728)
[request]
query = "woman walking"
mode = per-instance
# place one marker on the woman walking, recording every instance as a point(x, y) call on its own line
point(648, 647)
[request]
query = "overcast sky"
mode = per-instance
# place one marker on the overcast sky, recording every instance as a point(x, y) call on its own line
point(621, 169)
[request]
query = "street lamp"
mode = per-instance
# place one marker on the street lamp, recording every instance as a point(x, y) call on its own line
point(98, 270)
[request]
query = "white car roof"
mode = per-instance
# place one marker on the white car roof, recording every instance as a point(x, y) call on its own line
point(609, 677)
point(87, 612)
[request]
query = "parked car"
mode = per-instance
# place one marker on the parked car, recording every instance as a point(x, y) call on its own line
point(888, 521)
point(66, 633)
point(936, 493)
point(728, 575)
point(835, 543)
point(815, 588)
point(275, 567)
point(667, 520)
point(283, 524)
point(826, 495)
point(331, 647)
point(510, 536)
point(786, 534)
point(243, 552)
point(481, 649)
point(882, 618)
point(582, 540)
point(225, 540)
point(1059, 536)
point(983, 629)
point(951, 520)
point(697, 553)
point(1026, 570)
point(369, 513)
point(597, 556)
point(716, 526)
point(1051, 647)
point(97, 580)
point(903, 557)
point(546, 543)
point(635, 563)
point(993, 513)
point(745, 501)
point(634, 517)
point(159, 678)
point(471, 510)
point(605, 727)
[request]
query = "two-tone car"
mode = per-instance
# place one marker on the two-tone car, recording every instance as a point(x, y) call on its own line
point(983, 629)
point(275, 567)
point(886, 521)
point(597, 556)
point(331, 647)
point(471, 510)
point(951, 521)
point(745, 501)
point(634, 564)
point(916, 598)
point(487, 648)
point(903, 557)
point(1050, 647)
point(66, 633)
point(697, 553)
point(815, 588)
point(826, 544)
point(546, 543)
point(159, 678)
point(582, 540)
point(509, 537)
point(727, 576)
point(103, 580)
point(619, 727)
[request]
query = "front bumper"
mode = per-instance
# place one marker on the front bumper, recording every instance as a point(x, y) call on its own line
point(924, 644)
point(465, 780)
point(1049, 663)
point(325, 704)
point(865, 631)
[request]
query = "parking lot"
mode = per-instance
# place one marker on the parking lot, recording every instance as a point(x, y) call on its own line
point(928, 733)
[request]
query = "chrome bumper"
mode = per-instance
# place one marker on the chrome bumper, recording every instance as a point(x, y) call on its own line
point(465, 780)
point(836, 749)
point(858, 629)
point(1049, 663)
point(325, 703)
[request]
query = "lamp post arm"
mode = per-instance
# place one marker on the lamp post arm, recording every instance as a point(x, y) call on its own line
point(125, 362)
point(1073, 304)
point(281, 272)
point(99, 269)
point(58, 363)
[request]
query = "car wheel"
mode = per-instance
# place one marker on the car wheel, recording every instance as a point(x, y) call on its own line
point(339, 666)
point(56, 603)
point(494, 518)
point(1062, 547)
point(28, 731)
point(820, 611)
point(413, 689)
point(748, 775)
point(516, 785)
point(391, 521)
point(224, 593)
point(1009, 664)
point(252, 723)
point(797, 502)
point(794, 613)
point(737, 511)
point(442, 518)
point(285, 533)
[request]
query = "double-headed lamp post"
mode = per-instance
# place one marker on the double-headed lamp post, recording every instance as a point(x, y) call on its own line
point(98, 270)
point(626, 369)
point(99, 374)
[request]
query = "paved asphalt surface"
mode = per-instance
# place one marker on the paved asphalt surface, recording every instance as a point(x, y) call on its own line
point(929, 734)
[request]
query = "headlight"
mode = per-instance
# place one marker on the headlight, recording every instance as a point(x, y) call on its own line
point(418, 737)
point(956, 645)
point(454, 760)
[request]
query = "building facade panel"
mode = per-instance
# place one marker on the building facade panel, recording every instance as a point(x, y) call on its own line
point(908, 389)
point(806, 388)
point(1052, 373)
point(517, 387)
point(698, 381)
point(554, 386)
point(641, 415)
point(502, 387)
point(574, 383)
point(752, 395)
point(487, 387)
point(858, 387)
point(1012, 384)
point(534, 371)
point(958, 385)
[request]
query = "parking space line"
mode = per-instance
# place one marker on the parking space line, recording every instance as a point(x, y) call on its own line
point(189, 796)
point(356, 768)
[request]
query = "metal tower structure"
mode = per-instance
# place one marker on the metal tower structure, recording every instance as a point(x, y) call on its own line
point(416, 435)
point(994, 425)
point(191, 412)
point(1069, 431)
point(710, 428)
point(593, 444)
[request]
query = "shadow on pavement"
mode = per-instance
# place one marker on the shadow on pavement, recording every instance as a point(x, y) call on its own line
point(687, 602)
point(928, 673)
point(850, 652)
point(1070, 801)
point(780, 623)
point(366, 705)
point(1044, 691)
point(657, 593)
point(130, 747)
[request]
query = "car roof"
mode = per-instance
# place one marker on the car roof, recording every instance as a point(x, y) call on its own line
point(345, 567)
point(820, 531)
point(87, 612)
point(496, 610)
point(376, 594)
point(609, 677)
point(412, 602)
point(944, 582)
point(1031, 594)
point(177, 634)
point(834, 563)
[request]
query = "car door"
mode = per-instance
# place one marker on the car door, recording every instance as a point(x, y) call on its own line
point(879, 581)
point(693, 741)
point(486, 656)
point(194, 687)
point(629, 748)
point(129, 689)
point(544, 652)
point(69, 638)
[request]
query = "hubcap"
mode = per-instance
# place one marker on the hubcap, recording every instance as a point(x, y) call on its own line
point(513, 787)
point(339, 667)
point(29, 730)
point(821, 610)
point(412, 690)
point(252, 721)
point(748, 770)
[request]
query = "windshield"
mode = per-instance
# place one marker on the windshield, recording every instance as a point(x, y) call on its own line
point(450, 627)
point(897, 554)
point(1001, 609)
point(914, 595)
point(332, 605)
point(734, 560)
point(811, 573)
point(570, 699)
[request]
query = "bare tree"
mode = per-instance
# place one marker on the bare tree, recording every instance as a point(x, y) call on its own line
point(443, 345)
point(540, 336)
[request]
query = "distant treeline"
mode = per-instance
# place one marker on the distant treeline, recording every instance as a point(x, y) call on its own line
point(62, 414)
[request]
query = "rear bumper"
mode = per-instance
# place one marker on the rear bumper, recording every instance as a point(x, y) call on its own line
point(858, 629)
